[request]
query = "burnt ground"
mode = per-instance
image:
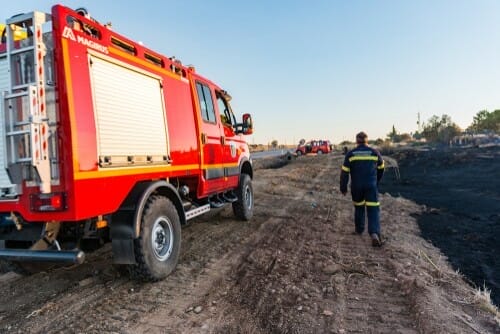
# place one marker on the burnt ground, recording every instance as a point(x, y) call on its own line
point(295, 268)
point(461, 191)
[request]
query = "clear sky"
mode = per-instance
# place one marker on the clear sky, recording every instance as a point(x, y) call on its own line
point(324, 69)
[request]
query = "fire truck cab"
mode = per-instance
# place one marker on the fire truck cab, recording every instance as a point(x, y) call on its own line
point(103, 139)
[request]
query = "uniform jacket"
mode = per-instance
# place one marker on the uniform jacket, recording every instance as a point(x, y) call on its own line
point(365, 165)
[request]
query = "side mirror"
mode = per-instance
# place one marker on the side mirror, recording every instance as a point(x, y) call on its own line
point(247, 124)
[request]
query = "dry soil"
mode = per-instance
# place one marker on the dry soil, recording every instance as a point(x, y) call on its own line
point(295, 268)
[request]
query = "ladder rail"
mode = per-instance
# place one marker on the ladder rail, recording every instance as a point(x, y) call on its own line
point(28, 129)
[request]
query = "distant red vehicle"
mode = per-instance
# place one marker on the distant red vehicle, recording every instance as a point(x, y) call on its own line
point(314, 146)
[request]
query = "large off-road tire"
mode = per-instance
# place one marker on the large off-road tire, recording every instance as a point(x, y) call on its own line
point(158, 247)
point(243, 207)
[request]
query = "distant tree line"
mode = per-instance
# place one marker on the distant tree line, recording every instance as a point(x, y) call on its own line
point(441, 129)
point(485, 121)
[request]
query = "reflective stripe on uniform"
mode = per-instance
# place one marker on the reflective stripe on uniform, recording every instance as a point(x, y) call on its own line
point(359, 203)
point(363, 157)
point(372, 203)
point(382, 166)
point(346, 169)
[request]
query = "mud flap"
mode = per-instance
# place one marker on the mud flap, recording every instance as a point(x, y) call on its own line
point(122, 239)
point(123, 251)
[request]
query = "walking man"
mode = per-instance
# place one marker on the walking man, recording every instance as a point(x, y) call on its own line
point(366, 167)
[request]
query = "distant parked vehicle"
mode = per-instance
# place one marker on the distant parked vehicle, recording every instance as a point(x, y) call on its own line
point(314, 146)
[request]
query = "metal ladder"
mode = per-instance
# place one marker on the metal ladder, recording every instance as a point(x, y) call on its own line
point(25, 109)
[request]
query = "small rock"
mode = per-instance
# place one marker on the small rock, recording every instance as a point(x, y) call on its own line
point(189, 309)
point(328, 313)
point(198, 309)
point(332, 269)
point(155, 291)
point(299, 308)
point(86, 281)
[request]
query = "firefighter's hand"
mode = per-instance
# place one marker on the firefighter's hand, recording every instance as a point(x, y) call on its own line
point(343, 192)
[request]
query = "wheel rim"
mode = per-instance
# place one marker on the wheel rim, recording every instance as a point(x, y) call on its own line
point(162, 237)
point(247, 198)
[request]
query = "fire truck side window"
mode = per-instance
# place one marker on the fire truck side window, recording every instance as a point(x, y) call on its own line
point(225, 114)
point(206, 103)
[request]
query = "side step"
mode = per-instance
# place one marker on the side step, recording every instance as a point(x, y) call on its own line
point(23, 255)
point(197, 211)
point(230, 197)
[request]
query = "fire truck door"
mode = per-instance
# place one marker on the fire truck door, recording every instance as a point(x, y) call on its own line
point(230, 149)
point(212, 140)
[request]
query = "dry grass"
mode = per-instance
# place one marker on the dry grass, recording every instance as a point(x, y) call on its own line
point(482, 297)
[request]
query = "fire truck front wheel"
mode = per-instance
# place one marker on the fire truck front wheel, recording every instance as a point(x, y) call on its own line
point(158, 246)
point(243, 207)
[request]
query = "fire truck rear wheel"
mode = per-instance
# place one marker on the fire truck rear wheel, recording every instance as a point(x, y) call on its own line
point(158, 246)
point(243, 207)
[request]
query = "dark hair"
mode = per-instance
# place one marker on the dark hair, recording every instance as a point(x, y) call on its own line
point(361, 138)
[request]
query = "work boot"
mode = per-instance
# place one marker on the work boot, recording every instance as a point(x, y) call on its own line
point(376, 242)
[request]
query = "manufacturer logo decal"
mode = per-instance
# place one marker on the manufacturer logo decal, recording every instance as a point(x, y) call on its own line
point(232, 146)
point(69, 34)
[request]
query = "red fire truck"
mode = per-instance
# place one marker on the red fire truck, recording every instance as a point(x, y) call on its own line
point(103, 139)
point(313, 146)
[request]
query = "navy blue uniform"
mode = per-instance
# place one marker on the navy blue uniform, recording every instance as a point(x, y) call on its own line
point(366, 167)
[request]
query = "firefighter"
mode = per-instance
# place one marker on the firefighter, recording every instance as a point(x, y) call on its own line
point(366, 167)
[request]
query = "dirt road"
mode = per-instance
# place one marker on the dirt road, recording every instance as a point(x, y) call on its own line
point(295, 268)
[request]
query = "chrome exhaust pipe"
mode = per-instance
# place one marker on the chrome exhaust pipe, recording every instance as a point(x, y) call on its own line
point(27, 255)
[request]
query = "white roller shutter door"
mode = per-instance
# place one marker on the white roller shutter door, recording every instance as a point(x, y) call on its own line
point(129, 109)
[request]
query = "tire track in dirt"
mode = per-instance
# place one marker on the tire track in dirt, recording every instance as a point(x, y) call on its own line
point(279, 284)
point(95, 298)
point(325, 281)
point(370, 298)
point(295, 268)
